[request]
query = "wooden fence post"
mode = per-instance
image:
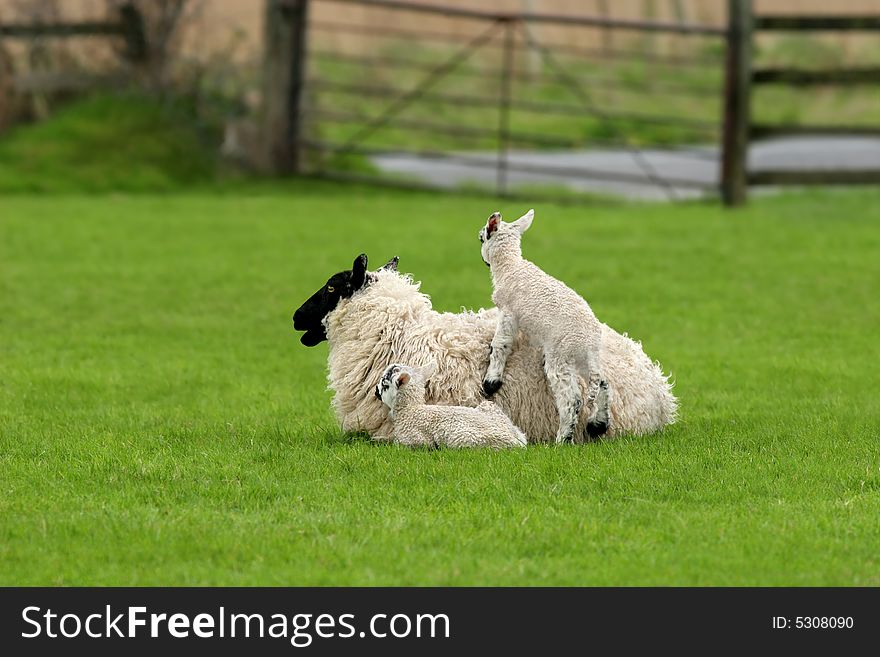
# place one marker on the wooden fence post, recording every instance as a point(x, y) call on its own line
point(284, 78)
point(136, 47)
point(737, 94)
point(607, 33)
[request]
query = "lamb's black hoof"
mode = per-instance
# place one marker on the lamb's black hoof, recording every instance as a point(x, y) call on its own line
point(490, 387)
point(596, 429)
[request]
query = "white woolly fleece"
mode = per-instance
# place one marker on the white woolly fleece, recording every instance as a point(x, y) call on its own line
point(553, 317)
point(416, 423)
point(390, 320)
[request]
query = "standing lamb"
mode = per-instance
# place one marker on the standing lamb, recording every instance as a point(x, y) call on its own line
point(553, 317)
point(372, 318)
point(416, 423)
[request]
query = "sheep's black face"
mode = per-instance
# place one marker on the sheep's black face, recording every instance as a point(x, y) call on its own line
point(309, 317)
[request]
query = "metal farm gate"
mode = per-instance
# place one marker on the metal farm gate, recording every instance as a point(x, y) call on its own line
point(420, 94)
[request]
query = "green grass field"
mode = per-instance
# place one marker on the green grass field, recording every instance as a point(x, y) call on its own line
point(108, 143)
point(161, 424)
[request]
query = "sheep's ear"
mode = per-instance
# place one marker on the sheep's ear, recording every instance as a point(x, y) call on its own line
point(522, 224)
point(493, 223)
point(359, 271)
point(403, 379)
point(391, 265)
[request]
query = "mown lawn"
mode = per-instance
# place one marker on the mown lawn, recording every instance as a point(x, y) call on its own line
point(161, 423)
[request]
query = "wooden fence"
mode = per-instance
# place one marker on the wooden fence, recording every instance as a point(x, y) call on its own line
point(294, 145)
point(127, 26)
point(286, 82)
point(742, 76)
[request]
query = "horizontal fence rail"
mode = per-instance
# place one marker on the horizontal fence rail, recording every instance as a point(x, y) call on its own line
point(128, 26)
point(823, 177)
point(765, 130)
point(388, 32)
point(806, 78)
point(520, 75)
point(817, 23)
point(469, 133)
point(536, 17)
point(546, 108)
point(86, 28)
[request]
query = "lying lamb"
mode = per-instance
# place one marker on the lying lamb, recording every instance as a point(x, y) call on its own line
point(553, 317)
point(402, 389)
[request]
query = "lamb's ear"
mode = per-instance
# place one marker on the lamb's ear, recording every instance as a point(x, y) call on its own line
point(493, 223)
point(428, 371)
point(522, 224)
point(403, 379)
point(391, 265)
point(359, 271)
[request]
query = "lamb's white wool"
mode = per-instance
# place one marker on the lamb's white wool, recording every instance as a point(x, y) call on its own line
point(553, 317)
point(390, 321)
point(415, 423)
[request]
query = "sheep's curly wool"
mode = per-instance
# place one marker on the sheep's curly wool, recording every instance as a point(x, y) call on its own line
point(416, 423)
point(390, 320)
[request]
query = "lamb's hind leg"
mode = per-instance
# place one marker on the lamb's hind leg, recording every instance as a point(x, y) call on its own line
point(563, 381)
point(598, 422)
point(499, 350)
point(597, 395)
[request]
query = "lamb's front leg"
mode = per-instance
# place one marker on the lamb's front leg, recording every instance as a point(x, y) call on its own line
point(499, 350)
point(414, 439)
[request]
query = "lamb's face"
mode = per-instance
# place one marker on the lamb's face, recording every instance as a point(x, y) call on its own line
point(497, 236)
point(309, 317)
point(484, 244)
point(406, 380)
point(394, 376)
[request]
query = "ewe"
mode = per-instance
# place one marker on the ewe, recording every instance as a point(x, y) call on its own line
point(553, 317)
point(414, 422)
